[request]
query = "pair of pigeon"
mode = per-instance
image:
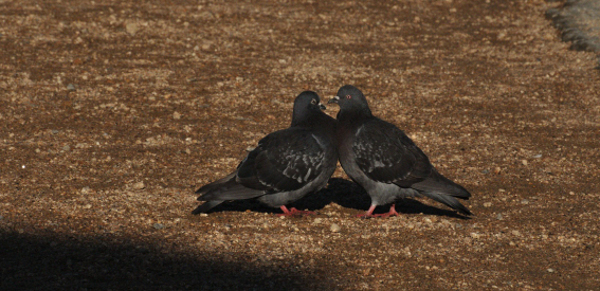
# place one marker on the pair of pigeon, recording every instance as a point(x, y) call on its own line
point(290, 163)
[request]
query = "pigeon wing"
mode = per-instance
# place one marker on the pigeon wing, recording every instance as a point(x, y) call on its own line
point(385, 154)
point(285, 160)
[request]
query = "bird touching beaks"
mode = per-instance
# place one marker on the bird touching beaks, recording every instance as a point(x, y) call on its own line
point(285, 166)
point(384, 161)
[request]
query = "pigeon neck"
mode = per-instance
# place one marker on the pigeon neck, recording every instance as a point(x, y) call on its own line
point(309, 119)
point(355, 115)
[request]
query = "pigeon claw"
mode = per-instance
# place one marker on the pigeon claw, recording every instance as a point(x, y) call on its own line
point(294, 212)
point(369, 213)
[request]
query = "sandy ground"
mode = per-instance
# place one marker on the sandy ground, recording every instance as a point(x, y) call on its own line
point(113, 112)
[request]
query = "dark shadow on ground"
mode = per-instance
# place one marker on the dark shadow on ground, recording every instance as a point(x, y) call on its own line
point(50, 262)
point(345, 193)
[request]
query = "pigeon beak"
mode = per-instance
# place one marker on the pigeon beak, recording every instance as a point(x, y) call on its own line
point(323, 107)
point(335, 100)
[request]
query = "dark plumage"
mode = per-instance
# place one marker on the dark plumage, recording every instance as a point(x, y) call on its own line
point(286, 165)
point(382, 159)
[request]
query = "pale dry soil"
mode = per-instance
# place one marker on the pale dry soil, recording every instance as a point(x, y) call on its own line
point(113, 112)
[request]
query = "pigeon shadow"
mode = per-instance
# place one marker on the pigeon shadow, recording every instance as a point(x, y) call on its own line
point(56, 262)
point(345, 193)
point(350, 195)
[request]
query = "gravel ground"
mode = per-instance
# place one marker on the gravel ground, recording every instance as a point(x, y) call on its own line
point(113, 112)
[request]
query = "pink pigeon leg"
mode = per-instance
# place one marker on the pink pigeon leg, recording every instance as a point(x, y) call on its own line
point(293, 212)
point(369, 212)
point(392, 212)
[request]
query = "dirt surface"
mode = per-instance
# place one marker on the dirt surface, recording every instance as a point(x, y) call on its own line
point(114, 112)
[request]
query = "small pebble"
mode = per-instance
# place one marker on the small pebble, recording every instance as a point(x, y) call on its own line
point(550, 270)
point(524, 201)
point(487, 204)
point(66, 148)
point(524, 162)
point(537, 156)
point(131, 28)
point(158, 226)
point(85, 190)
point(71, 87)
point(176, 115)
point(139, 185)
point(335, 228)
point(499, 216)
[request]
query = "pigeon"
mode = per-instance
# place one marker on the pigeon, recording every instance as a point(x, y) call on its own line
point(285, 166)
point(384, 161)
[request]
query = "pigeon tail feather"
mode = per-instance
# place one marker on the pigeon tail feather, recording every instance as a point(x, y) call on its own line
point(205, 207)
point(447, 200)
point(438, 183)
point(443, 190)
point(231, 191)
point(216, 184)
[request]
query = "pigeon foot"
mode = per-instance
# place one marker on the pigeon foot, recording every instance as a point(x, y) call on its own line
point(369, 213)
point(294, 212)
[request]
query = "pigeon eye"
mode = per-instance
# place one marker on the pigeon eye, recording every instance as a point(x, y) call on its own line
point(348, 97)
point(313, 102)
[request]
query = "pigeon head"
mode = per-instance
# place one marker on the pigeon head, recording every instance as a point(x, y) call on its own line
point(350, 99)
point(305, 105)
